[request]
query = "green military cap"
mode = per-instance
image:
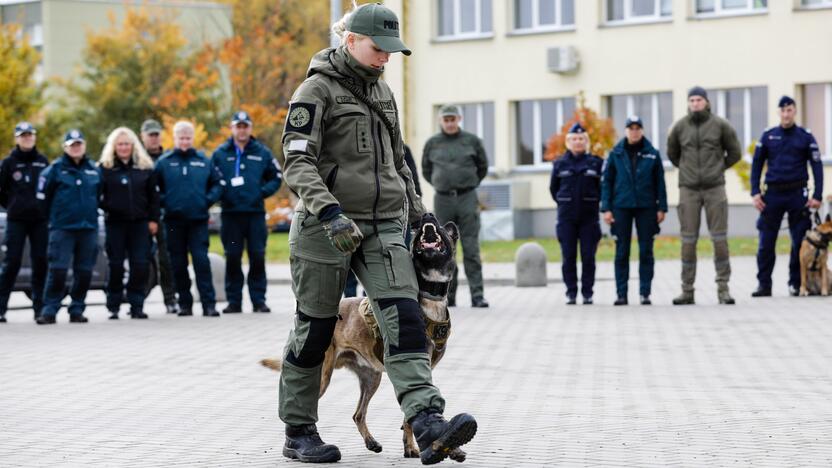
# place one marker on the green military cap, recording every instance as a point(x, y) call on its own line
point(449, 110)
point(380, 24)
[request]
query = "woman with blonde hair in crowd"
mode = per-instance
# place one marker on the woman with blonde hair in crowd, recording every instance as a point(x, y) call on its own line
point(131, 203)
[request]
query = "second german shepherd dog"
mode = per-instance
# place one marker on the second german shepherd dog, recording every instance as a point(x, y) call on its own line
point(356, 346)
point(814, 252)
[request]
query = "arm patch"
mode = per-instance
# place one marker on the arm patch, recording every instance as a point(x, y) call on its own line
point(301, 117)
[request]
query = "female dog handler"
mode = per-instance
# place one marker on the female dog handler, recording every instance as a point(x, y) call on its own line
point(343, 155)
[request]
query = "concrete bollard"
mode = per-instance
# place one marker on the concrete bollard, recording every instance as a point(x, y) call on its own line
point(530, 263)
point(218, 275)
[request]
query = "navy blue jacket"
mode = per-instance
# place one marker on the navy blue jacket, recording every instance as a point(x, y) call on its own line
point(19, 175)
point(575, 185)
point(786, 151)
point(188, 184)
point(258, 168)
point(70, 194)
point(620, 188)
point(129, 193)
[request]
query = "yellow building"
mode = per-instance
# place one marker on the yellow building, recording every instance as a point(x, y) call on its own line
point(516, 66)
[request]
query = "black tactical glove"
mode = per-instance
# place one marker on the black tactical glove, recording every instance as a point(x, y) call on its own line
point(343, 233)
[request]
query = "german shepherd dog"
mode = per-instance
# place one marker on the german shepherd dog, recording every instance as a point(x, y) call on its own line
point(358, 347)
point(814, 252)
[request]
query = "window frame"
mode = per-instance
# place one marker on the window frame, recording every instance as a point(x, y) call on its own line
point(536, 27)
point(457, 35)
point(826, 4)
point(721, 12)
point(655, 130)
point(826, 144)
point(480, 128)
point(629, 18)
point(748, 136)
point(538, 139)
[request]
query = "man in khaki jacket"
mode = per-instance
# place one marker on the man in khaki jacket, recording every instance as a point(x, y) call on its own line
point(703, 146)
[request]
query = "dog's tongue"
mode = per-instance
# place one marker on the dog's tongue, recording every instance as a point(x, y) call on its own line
point(430, 245)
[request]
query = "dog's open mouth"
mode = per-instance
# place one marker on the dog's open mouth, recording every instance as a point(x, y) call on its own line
point(429, 239)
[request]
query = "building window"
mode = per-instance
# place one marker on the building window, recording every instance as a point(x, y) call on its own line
point(655, 111)
point(816, 3)
point(478, 118)
point(817, 114)
point(462, 19)
point(729, 7)
point(638, 10)
point(536, 121)
point(536, 15)
point(746, 109)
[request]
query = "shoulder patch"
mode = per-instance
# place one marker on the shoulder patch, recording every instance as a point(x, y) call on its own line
point(301, 117)
point(346, 100)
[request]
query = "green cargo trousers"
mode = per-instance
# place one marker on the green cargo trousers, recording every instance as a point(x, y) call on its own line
point(715, 202)
point(464, 211)
point(319, 272)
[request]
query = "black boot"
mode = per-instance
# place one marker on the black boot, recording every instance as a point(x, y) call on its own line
point(113, 315)
point(3, 318)
point(137, 314)
point(437, 437)
point(233, 309)
point(78, 318)
point(172, 308)
point(304, 444)
point(261, 309)
point(45, 320)
point(621, 301)
point(761, 292)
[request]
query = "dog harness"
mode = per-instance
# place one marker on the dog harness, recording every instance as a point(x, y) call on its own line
point(819, 245)
point(437, 330)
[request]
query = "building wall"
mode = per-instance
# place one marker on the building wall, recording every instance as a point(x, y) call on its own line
point(781, 49)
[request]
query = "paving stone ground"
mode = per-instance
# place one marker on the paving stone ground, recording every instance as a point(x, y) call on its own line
point(551, 385)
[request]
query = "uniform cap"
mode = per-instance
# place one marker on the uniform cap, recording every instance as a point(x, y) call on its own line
point(241, 117)
point(785, 101)
point(151, 126)
point(449, 110)
point(577, 128)
point(24, 127)
point(633, 120)
point(380, 24)
point(73, 136)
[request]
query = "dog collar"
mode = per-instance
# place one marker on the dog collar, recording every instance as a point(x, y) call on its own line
point(433, 289)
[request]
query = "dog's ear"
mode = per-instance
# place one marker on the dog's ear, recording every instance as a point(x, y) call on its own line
point(452, 230)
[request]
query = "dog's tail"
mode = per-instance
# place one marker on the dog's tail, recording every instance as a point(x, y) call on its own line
point(273, 364)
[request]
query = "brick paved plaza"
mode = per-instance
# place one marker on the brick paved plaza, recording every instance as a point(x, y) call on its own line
point(550, 385)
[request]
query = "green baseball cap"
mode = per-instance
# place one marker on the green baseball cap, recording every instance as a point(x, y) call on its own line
point(449, 110)
point(380, 24)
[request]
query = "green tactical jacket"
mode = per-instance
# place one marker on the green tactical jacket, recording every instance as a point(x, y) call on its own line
point(337, 151)
point(454, 162)
point(702, 146)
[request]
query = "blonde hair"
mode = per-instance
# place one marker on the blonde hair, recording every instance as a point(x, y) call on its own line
point(181, 126)
point(140, 158)
point(339, 28)
point(585, 135)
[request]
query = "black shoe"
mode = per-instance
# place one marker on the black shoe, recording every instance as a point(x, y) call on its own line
point(185, 313)
point(794, 291)
point(436, 437)
point(172, 308)
point(304, 444)
point(212, 312)
point(645, 300)
point(479, 302)
point(138, 314)
point(45, 320)
point(113, 315)
point(2, 319)
point(570, 300)
point(261, 309)
point(621, 301)
point(78, 318)
point(233, 309)
point(451, 302)
point(761, 292)
point(588, 300)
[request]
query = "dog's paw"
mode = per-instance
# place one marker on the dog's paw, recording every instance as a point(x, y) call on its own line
point(372, 445)
point(410, 452)
point(457, 455)
point(804, 292)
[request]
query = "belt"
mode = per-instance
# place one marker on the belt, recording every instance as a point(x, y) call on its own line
point(454, 193)
point(785, 186)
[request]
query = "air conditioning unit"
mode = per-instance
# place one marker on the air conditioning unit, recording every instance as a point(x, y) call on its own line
point(498, 201)
point(562, 59)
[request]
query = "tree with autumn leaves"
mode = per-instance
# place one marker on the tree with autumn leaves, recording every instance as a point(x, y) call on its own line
point(20, 97)
point(601, 132)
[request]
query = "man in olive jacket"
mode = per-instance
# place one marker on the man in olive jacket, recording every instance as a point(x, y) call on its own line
point(454, 162)
point(703, 146)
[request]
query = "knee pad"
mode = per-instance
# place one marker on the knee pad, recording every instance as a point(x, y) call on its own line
point(316, 343)
point(412, 337)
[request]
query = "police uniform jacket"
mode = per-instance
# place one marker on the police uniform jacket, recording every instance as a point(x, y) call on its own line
point(787, 151)
point(129, 193)
point(19, 174)
point(260, 176)
point(623, 188)
point(339, 156)
point(575, 185)
point(188, 184)
point(70, 193)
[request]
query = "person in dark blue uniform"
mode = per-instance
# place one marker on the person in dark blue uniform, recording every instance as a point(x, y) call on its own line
point(188, 185)
point(25, 216)
point(131, 203)
point(786, 150)
point(70, 188)
point(575, 186)
point(633, 190)
point(251, 175)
